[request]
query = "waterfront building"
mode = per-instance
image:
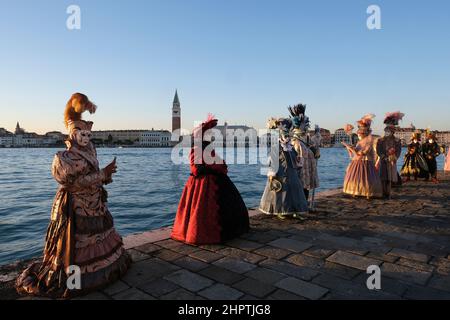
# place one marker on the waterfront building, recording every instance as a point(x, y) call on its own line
point(341, 136)
point(443, 137)
point(155, 138)
point(404, 134)
point(19, 130)
point(144, 138)
point(59, 137)
point(326, 136)
point(128, 137)
point(237, 136)
point(6, 138)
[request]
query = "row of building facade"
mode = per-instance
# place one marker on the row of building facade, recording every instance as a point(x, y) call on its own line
point(404, 134)
point(138, 138)
point(231, 135)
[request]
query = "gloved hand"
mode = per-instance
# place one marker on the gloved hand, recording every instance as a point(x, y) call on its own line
point(109, 170)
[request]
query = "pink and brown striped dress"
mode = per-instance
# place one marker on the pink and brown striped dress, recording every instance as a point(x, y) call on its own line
point(81, 231)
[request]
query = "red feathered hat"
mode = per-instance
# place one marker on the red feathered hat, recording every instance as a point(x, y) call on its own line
point(209, 123)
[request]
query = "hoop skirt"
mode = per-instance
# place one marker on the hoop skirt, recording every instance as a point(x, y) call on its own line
point(211, 210)
point(362, 178)
point(81, 232)
point(414, 164)
point(290, 199)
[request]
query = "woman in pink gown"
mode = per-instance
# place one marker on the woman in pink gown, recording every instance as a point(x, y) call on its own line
point(362, 178)
point(447, 162)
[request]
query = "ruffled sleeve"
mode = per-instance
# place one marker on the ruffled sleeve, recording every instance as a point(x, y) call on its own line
point(68, 171)
point(273, 162)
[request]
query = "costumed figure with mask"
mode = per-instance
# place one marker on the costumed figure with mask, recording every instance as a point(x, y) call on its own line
point(211, 210)
point(414, 163)
point(81, 231)
point(316, 143)
point(431, 150)
point(447, 162)
point(306, 158)
point(389, 149)
point(283, 195)
point(362, 178)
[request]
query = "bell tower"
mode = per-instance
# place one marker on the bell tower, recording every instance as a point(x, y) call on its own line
point(176, 113)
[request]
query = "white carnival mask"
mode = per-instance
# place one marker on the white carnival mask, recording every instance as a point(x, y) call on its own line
point(83, 137)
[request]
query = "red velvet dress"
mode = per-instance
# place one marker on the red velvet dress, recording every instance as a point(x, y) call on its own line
point(211, 209)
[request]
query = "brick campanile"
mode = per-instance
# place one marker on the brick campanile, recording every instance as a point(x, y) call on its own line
point(176, 113)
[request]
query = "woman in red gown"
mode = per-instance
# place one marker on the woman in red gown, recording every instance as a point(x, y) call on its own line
point(211, 209)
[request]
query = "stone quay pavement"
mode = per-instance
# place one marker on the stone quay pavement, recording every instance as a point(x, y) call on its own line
point(324, 257)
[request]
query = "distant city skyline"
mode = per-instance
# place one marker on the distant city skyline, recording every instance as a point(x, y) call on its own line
point(243, 61)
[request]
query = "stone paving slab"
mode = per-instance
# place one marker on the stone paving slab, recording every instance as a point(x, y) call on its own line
point(189, 280)
point(323, 257)
point(234, 264)
point(254, 287)
point(220, 291)
point(290, 244)
point(302, 288)
point(406, 273)
point(221, 275)
point(409, 255)
point(353, 260)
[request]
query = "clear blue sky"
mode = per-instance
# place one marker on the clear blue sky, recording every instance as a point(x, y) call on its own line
point(243, 60)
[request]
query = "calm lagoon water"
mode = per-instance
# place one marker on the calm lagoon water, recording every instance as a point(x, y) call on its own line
point(143, 196)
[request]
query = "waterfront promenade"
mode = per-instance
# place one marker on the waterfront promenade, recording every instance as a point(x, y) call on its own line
point(323, 257)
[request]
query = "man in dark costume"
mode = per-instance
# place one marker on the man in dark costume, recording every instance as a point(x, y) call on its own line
point(431, 151)
point(389, 149)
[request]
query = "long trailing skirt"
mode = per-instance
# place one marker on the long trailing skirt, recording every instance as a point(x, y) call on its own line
point(290, 200)
point(89, 242)
point(210, 211)
point(362, 179)
point(309, 175)
point(415, 165)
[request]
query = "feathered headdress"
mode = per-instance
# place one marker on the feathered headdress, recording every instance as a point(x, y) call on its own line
point(77, 104)
point(316, 129)
point(272, 123)
point(285, 125)
point(366, 121)
point(393, 118)
point(299, 120)
point(209, 123)
point(430, 134)
point(297, 110)
point(416, 135)
point(349, 129)
point(364, 124)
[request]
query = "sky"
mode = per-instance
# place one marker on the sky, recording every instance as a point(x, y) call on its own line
point(242, 60)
